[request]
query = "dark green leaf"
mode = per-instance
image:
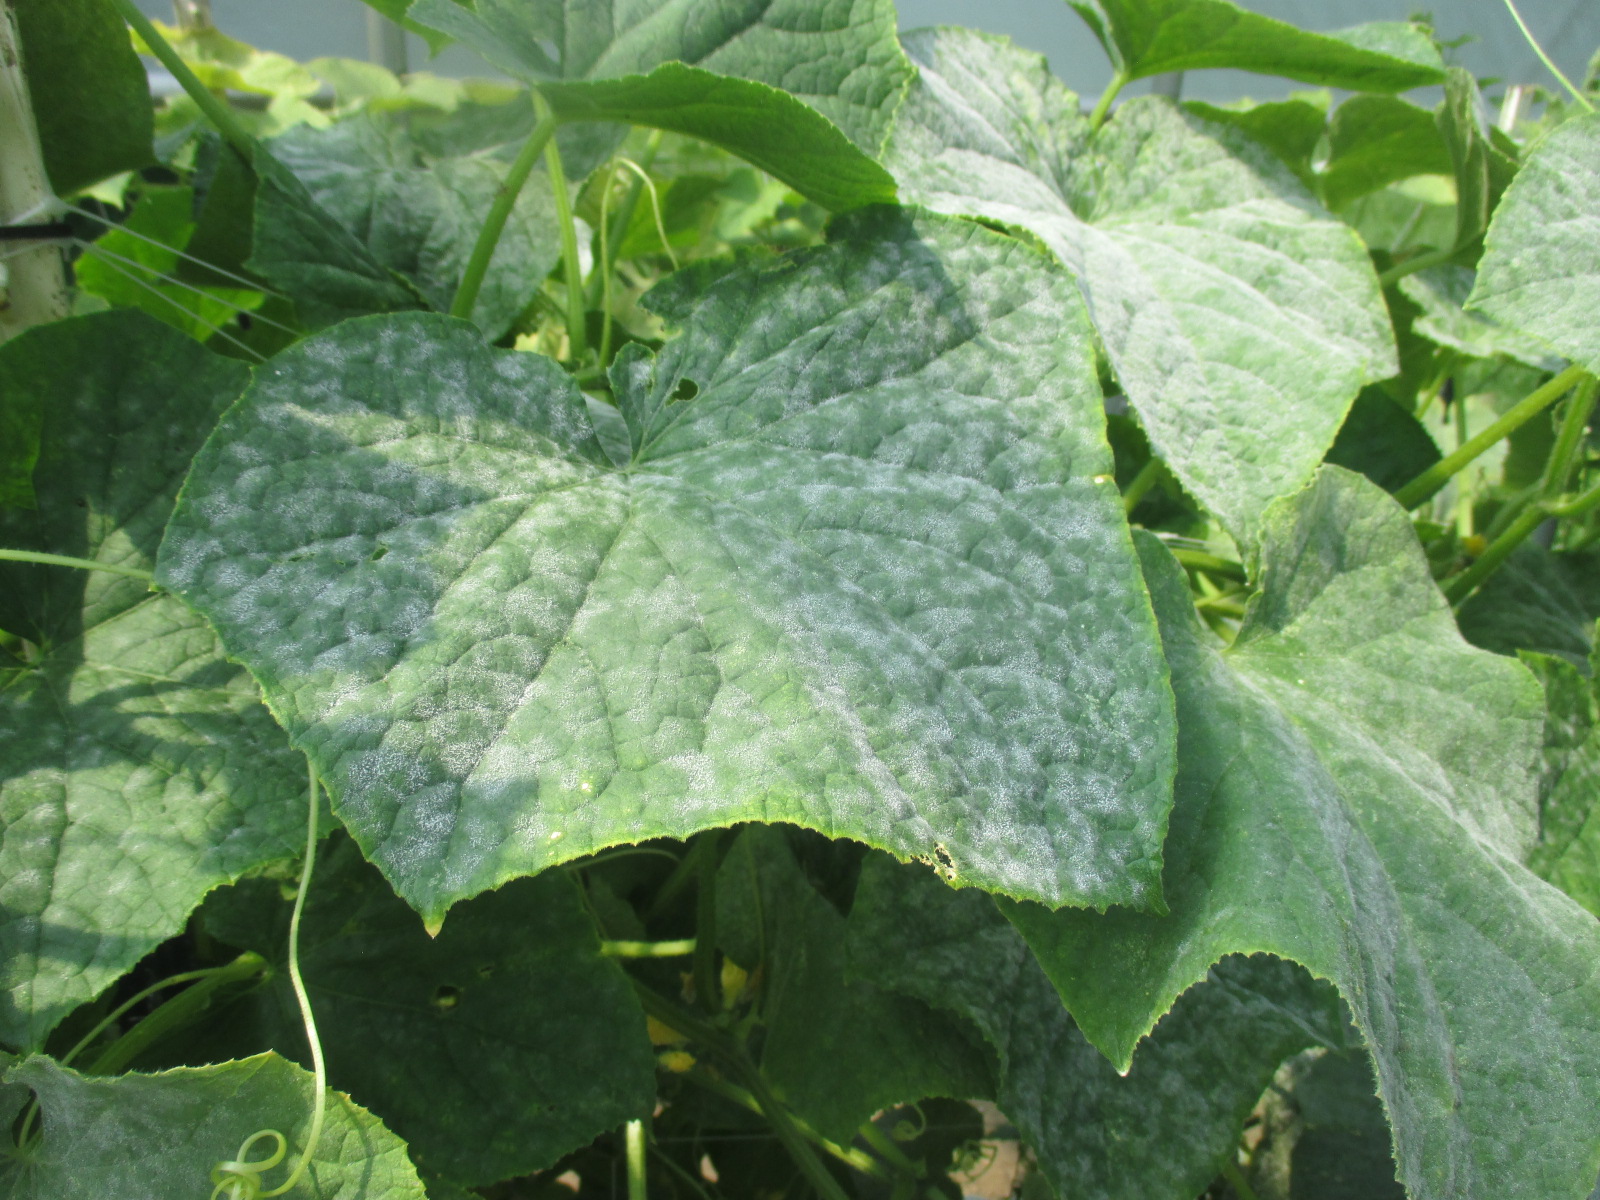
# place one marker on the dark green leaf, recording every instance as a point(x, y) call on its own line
point(138, 769)
point(396, 10)
point(492, 1049)
point(763, 125)
point(419, 214)
point(1148, 37)
point(841, 59)
point(304, 252)
point(1356, 793)
point(157, 1137)
point(865, 572)
point(1538, 600)
point(90, 98)
point(1159, 1133)
point(1240, 318)
point(836, 1049)
point(1382, 441)
point(1374, 141)
point(1483, 159)
point(1568, 854)
point(1291, 129)
point(1541, 267)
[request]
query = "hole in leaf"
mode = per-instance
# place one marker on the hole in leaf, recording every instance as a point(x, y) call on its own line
point(687, 389)
point(245, 322)
point(446, 997)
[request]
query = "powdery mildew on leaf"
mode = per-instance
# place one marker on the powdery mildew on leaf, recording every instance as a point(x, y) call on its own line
point(1540, 271)
point(1240, 317)
point(160, 1135)
point(138, 769)
point(866, 572)
point(1356, 793)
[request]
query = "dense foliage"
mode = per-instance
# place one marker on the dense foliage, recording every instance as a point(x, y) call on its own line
point(723, 614)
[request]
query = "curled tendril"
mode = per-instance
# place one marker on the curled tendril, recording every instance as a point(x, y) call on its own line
point(240, 1179)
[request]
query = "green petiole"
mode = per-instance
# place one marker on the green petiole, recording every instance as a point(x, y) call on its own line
point(678, 949)
point(635, 1141)
point(1102, 107)
point(572, 268)
point(82, 564)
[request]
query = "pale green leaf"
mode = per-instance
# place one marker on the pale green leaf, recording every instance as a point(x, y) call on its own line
point(1540, 271)
point(1441, 293)
point(493, 1048)
point(1357, 792)
point(841, 59)
point(157, 1137)
point(1484, 159)
point(138, 769)
point(419, 213)
point(1241, 319)
point(1159, 1133)
point(1149, 37)
point(865, 572)
point(836, 1049)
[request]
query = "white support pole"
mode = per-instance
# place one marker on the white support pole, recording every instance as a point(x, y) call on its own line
point(35, 287)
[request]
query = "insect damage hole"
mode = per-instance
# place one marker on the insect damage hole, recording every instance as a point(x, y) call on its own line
point(446, 997)
point(687, 389)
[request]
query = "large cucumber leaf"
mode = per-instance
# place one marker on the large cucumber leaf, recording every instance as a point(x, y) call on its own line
point(1540, 271)
point(1148, 37)
point(419, 213)
point(1568, 853)
point(1162, 1131)
point(492, 1049)
point(866, 572)
point(138, 769)
point(841, 59)
point(1240, 318)
point(91, 100)
point(835, 1048)
point(1357, 791)
point(157, 1137)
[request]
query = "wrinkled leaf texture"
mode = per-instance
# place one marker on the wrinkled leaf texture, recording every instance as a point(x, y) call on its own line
point(1357, 793)
point(866, 571)
point(138, 769)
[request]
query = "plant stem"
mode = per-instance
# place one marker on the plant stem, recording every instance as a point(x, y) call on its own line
point(215, 110)
point(1417, 262)
point(1237, 1181)
point(858, 1160)
point(1463, 585)
point(1569, 439)
point(572, 268)
point(319, 1069)
point(1139, 486)
point(1212, 564)
point(1102, 106)
point(634, 1137)
point(83, 564)
point(733, 1055)
point(706, 981)
point(1545, 58)
point(174, 1014)
point(1436, 476)
point(618, 228)
point(505, 199)
point(888, 1151)
point(648, 949)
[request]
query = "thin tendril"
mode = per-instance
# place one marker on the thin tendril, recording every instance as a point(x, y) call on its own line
point(242, 280)
point(216, 330)
point(1545, 58)
point(605, 253)
point(174, 281)
point(240, 1179)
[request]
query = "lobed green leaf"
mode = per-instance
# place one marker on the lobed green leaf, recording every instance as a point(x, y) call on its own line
point(865, 572)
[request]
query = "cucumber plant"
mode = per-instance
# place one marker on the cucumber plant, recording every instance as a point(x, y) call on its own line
point(706, 620)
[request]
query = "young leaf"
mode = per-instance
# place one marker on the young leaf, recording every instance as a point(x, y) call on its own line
point(841, 59)
point(138, 769)
point(419, 214)
point(492, 1049)
point(160, 1135)
point(866, 572)
point(1356, 794)
point(1149, 37)
point(1374, 141)
point(836, 1049)
point(1540, 271)
point(1159, 1133)
point(1538, 600)
point(90, 97)
point(1240, 318)
point(301, 250)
